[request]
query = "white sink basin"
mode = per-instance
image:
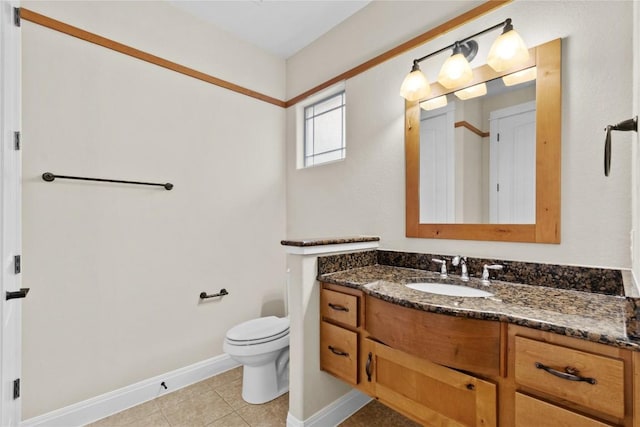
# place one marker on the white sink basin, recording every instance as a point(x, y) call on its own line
point(449, 290)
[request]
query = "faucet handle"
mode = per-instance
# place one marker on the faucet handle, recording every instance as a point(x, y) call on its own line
point(485, 271)
point(443, 266)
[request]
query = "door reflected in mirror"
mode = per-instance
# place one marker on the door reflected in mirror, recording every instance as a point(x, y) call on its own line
point(478, 156)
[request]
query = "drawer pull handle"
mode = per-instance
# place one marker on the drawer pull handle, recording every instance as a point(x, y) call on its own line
point(367, 368)
point(338, 307)
point(338, 352)
point(570, 374)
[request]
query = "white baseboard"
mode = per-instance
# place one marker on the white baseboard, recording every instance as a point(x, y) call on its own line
point(98, 407)
point(334, 413)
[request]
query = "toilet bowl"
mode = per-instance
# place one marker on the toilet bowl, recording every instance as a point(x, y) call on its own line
point(262, 346)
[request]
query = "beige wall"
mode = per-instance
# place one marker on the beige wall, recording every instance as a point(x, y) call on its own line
point(365, 192)
point(115, 271)
point(635, 250)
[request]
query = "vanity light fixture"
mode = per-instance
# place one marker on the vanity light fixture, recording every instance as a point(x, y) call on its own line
point(507, 51)
point(520, 77)
point(434, 103)
point(472, 91)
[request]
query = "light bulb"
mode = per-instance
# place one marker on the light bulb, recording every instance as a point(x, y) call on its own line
point(520, 77)
point(434, 103)
point(507, 51)
point(456, 71)
point(472, 91)
point(415, 86)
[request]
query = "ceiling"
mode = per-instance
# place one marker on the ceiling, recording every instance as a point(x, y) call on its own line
point(280, 27)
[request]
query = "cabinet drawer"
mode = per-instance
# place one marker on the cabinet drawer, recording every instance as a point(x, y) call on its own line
point(534, 360)
point(532, 412)
point(339, 307)
point(339, 352)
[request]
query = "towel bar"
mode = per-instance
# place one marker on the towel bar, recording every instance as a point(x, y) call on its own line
point(49, 177)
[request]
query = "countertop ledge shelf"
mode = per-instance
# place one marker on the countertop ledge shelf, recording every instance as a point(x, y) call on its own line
point(329, 241)
point(590, 316)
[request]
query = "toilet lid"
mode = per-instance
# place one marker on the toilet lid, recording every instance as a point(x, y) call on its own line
point(259, 329)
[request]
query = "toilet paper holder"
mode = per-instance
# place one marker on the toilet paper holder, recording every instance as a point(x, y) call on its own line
point(223, 292)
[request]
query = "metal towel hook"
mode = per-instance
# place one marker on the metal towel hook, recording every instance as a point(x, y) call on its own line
point(625, 126)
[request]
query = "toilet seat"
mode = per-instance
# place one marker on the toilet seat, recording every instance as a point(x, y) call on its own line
point(258, 331)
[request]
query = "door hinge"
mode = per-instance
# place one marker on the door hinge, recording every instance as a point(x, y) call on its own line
point(497, 187)
point(17, 264)
point(16, 388)
point(498, 136)
point(16, 140)
point(16, 16)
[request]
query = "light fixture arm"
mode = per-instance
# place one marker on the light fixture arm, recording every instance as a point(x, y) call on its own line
point(506, 24)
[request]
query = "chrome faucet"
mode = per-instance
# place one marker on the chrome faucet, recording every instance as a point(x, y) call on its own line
point(443, 266)
point(485, 272)
point(462, 261)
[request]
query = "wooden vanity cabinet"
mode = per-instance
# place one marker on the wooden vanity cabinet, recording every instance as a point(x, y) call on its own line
point(560, 380)
point(453, 371)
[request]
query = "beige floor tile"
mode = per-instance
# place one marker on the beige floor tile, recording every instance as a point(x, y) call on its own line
point(197, 410)
point(212, 402)
point(232, 394)
point(224, 378)
point(271, 414)
point(375, 414)
point(174, 398)
point(157, 419)
point(128, 416)
point(231, 420)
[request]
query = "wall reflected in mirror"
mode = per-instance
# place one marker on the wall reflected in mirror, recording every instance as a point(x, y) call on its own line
point(478, 154)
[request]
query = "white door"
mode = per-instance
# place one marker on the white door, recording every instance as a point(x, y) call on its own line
point(10, 225)
point(437, 166)
point(513, 165)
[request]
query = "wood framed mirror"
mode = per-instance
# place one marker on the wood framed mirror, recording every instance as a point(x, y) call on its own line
point(548, 100)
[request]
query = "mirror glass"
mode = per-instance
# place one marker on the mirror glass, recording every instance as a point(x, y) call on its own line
point(464, 183)
point(478, 157)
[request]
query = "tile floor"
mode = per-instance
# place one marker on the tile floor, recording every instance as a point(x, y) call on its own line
point(217, 402)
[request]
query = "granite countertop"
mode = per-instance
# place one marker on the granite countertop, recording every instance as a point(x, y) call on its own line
point(590, 316)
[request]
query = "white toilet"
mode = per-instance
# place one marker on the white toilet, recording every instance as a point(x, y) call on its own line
point(262, 346)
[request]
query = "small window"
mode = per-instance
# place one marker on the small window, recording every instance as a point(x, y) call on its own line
point(324, 130)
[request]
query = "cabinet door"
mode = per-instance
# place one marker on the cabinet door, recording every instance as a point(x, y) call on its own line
point(531, 412)
point(430, 393)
